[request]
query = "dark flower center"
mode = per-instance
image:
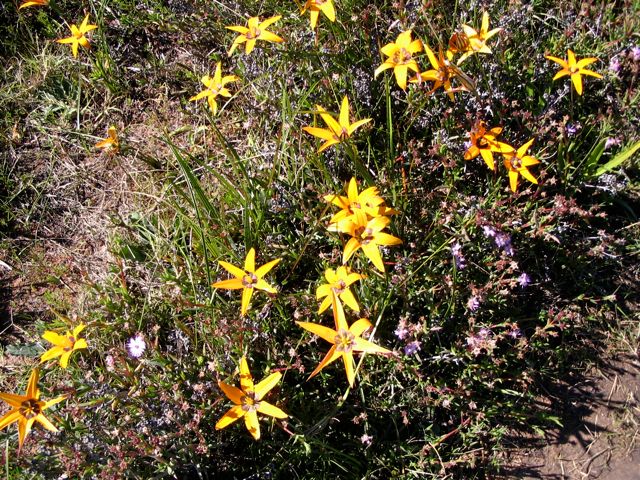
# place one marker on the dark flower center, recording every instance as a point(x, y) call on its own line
point(249, 280)
point(30, 408)
point(345, 341)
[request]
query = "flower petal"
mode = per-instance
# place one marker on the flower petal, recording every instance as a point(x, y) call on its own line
point(252, 424)
point(233, 393)
point(262, 388)
point(267, 409)
point(264, 269)
point(323, 332)
point(233, 414)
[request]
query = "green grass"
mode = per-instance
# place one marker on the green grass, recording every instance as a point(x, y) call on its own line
point(202, 188)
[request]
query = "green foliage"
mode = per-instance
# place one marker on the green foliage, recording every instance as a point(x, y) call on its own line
point(491, 295)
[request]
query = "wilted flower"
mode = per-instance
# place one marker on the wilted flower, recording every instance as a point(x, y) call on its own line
point(136, 345)
point(110, 144)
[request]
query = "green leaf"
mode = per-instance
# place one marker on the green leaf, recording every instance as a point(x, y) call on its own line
point(24, 350)
point(618, 159)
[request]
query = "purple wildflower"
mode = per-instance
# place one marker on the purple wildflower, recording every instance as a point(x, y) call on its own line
point(412, 347)
point(524, 280)
point(473, 303)
point(458, 257)
point(614, 65)
point(489, 231)
point(635, 53)
point(401, 332)
point(503, 241)
point(612, 142)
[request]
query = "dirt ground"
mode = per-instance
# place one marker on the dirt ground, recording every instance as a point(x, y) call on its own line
point(600, 438)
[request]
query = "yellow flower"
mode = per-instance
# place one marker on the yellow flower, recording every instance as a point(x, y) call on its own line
point(255, 30)
point(338, 131)
point(484, 143)
point(367, 236)
point(215, 86)
point(248, 279)
point(317, 6)
point(77, 36)
point(65, 345)
point(110, 143)
point(478, 39)
point(249, 401)
point(368, 201)
point(517, 162)
point(337, 288)
point(400, 57)
point(33, 3)
point(27, 409)
point(574, 68)
point(346, 340)
point(442, 73)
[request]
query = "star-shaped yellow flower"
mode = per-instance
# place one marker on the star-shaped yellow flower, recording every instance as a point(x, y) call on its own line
point(33, 3)
point(442, 73)
point(338, 131)
point(574, 68)
point(65, 345)
point(27, 409)
point(368, 235)
point(484, 143)
point(517, 162)
point(255, 30)
point(77, 36)
point(346, 341)
point(317, 6)
point(478, 38)
point(215, 86)
point(110, 143)
point(337, 288)
point(400, 57)
point(248, 280)
point(249, 401)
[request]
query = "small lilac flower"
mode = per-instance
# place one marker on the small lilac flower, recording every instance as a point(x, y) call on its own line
point(612, 142)
point(136, 345)
point(366, 439)
point(401, 332)
point(572, 129)
point(614, 65)
point(524, 280)
point(412, 347)
point(503, 241)
point(458, 257)
point(473, 303)
point(635, 54)
point(484, 332)
point(110, 363)
point(489, 231)
point(515, 332)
